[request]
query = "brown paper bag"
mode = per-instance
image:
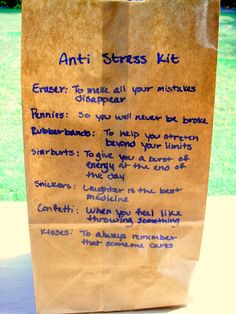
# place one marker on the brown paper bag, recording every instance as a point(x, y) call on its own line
point(117, 107)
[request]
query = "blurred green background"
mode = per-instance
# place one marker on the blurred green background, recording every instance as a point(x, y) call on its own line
point(12, 178)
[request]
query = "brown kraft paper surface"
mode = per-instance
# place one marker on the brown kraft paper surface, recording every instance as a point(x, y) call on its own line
point(117, 108)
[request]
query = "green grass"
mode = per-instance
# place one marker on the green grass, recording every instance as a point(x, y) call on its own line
point(12, 178)
point(223, 160)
